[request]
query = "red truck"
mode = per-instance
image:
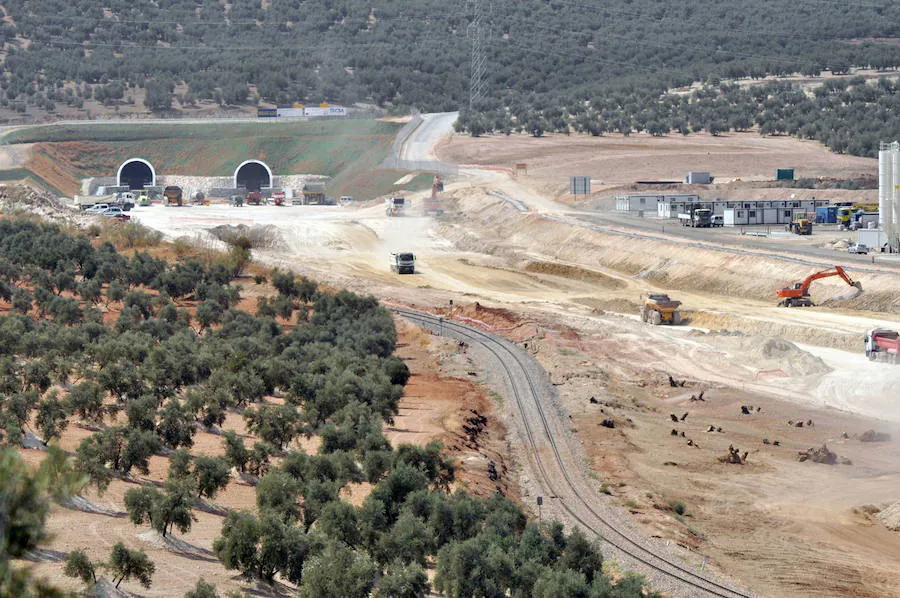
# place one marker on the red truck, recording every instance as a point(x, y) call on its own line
point(278, 198)
point(883, 345)
point(254, 198)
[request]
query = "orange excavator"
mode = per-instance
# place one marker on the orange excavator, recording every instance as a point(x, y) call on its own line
point(797, 295)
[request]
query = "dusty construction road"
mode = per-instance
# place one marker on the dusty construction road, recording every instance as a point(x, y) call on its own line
point(534, 256)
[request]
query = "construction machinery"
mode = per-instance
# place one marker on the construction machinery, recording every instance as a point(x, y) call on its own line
point(801, 224)
point(432, 205)
point(144, 197)
point(403, 263)
point(797, 295)
point(659, 309)
point(253, 198)
point(883, 345)
point(279, 197)
point(394, 206)
point(173, 195)
point(848, 214)
point(198, 198)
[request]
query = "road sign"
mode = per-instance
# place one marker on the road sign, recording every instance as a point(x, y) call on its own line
point(580, 185)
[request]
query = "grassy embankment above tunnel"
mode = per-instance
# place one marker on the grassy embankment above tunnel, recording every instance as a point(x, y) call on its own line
point(350, 151)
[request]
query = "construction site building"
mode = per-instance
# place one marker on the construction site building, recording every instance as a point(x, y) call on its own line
point(763, 209)
point(643, 202)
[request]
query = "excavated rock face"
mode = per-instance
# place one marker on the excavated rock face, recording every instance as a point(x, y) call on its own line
point(890, 516)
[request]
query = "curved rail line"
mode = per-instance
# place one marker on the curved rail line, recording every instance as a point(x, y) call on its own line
point(607, 530)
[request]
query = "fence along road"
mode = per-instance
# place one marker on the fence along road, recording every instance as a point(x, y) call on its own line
point(561, 475)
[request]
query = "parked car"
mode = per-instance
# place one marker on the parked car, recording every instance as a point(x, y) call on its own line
point(717, 220)
point(112, 211)
point(858, 248)
point(123, 217)
point(97, 208)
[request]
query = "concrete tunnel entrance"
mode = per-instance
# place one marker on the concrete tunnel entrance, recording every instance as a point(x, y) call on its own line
point(136, 174)
point(253, 175)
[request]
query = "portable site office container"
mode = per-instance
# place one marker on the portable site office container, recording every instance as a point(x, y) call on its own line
point(750, 212)
point(826, 214)
point(698, 178)
point(755, 215)
point(637, 203)
point(650, 203)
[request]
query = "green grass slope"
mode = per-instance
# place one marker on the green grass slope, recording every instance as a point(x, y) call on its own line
point(348, 150)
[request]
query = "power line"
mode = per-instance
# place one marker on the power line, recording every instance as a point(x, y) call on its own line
point(479, 34)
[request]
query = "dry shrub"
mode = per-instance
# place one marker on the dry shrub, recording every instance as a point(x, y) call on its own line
point(256, 236)
point(130, 235)
point(182, 247)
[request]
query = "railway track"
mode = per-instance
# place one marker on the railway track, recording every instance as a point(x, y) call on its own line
point(558, 467)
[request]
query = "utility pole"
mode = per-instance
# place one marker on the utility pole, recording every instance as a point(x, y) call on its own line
point(478, 32)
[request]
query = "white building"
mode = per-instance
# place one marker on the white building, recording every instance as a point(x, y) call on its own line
point(746, 212)
point(641, 202)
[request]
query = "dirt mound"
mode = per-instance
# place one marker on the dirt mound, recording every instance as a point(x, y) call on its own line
point(771, 353)
point(619, 305)
point(574, 273)
point(890, 517)
point(873, 436)
point(494, 317)
point(21, 197)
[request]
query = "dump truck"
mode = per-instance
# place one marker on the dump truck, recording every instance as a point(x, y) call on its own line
point(432, 206)
point(403, 263)
point(123, 200)
point(253, 198)
point(658, 309)
point(173, 195)
point(883, 345)
point(801, 224)
point(395, 206)
point(697, 218)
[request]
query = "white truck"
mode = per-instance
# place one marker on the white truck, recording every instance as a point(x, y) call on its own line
point(699, 218)
point(403, 262)
point(123, 200)
point(395, 206)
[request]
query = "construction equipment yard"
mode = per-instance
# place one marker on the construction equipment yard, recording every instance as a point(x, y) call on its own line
point(686, 437)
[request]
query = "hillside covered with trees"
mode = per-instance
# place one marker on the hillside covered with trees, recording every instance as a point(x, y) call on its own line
point(545, 58)
point(144, 354)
